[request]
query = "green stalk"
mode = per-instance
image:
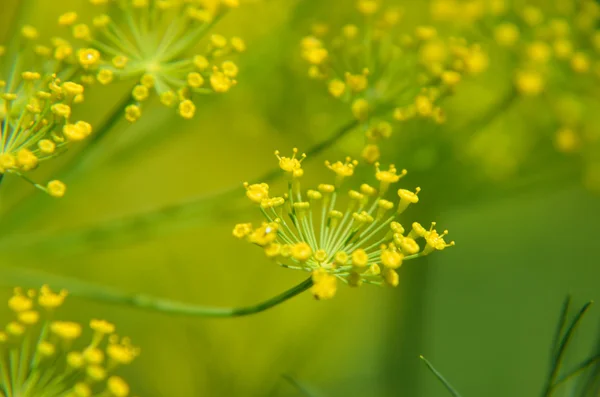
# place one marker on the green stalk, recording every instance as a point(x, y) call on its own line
point(10, 277)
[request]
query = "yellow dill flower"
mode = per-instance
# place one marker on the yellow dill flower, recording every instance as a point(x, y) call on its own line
point(36, 122)
point(40, 356)
point(353, 237)
point(155, 43)
point(374, 62)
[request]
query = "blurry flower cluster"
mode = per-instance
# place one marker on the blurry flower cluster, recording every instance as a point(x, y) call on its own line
point(356, 241)
point(154, 44)
point(43, 356)
point(553, 53)
point(382, 71)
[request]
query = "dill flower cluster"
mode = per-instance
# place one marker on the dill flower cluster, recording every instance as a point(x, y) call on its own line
point(372, 63)
point(154, 44)
point(36, 100)
point(359, 241)
point(43, 356)
point(554, 55)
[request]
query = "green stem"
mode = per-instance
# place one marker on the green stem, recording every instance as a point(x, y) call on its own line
point(440, 378)
point(10, 277)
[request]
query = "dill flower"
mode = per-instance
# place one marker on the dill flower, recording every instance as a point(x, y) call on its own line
point(37, 99)
point(43, 356)
point(371, 62)
point(553, 53)
point(154, 45)
point(357, 241)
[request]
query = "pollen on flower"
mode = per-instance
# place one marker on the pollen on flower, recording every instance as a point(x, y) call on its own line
point(257, 192)
point(324, 284)
point(292, 164)
point(187, 109)
point(60, 350)
point(349, 236)
point(342, 170)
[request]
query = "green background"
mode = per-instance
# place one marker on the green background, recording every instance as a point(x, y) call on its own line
point(483, 312)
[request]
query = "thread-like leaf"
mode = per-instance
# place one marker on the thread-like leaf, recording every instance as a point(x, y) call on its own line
point(443, 380)
point(299, 386)
point(557, 359)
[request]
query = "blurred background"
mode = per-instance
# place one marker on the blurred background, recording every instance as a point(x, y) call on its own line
point(521, 208)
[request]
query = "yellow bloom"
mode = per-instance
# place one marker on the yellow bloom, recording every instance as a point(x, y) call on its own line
point(291, 165)
point(529, 82)
point(56, 350)
point(144, 40)
point(338, 237)
point(35, 110)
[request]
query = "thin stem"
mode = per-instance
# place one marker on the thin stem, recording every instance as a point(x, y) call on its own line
point(557, 360)
point(441, 378)
point(100, 293)
point(560, 328)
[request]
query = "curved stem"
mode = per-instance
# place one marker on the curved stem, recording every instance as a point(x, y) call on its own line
point(81, 289)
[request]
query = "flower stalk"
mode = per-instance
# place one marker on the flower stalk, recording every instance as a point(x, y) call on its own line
point(101, 293)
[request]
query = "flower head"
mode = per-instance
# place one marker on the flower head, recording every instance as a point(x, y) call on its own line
point(353, 237)
point(163, 46)
point(37, 99)
point(43, 356)
point(373, 62)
